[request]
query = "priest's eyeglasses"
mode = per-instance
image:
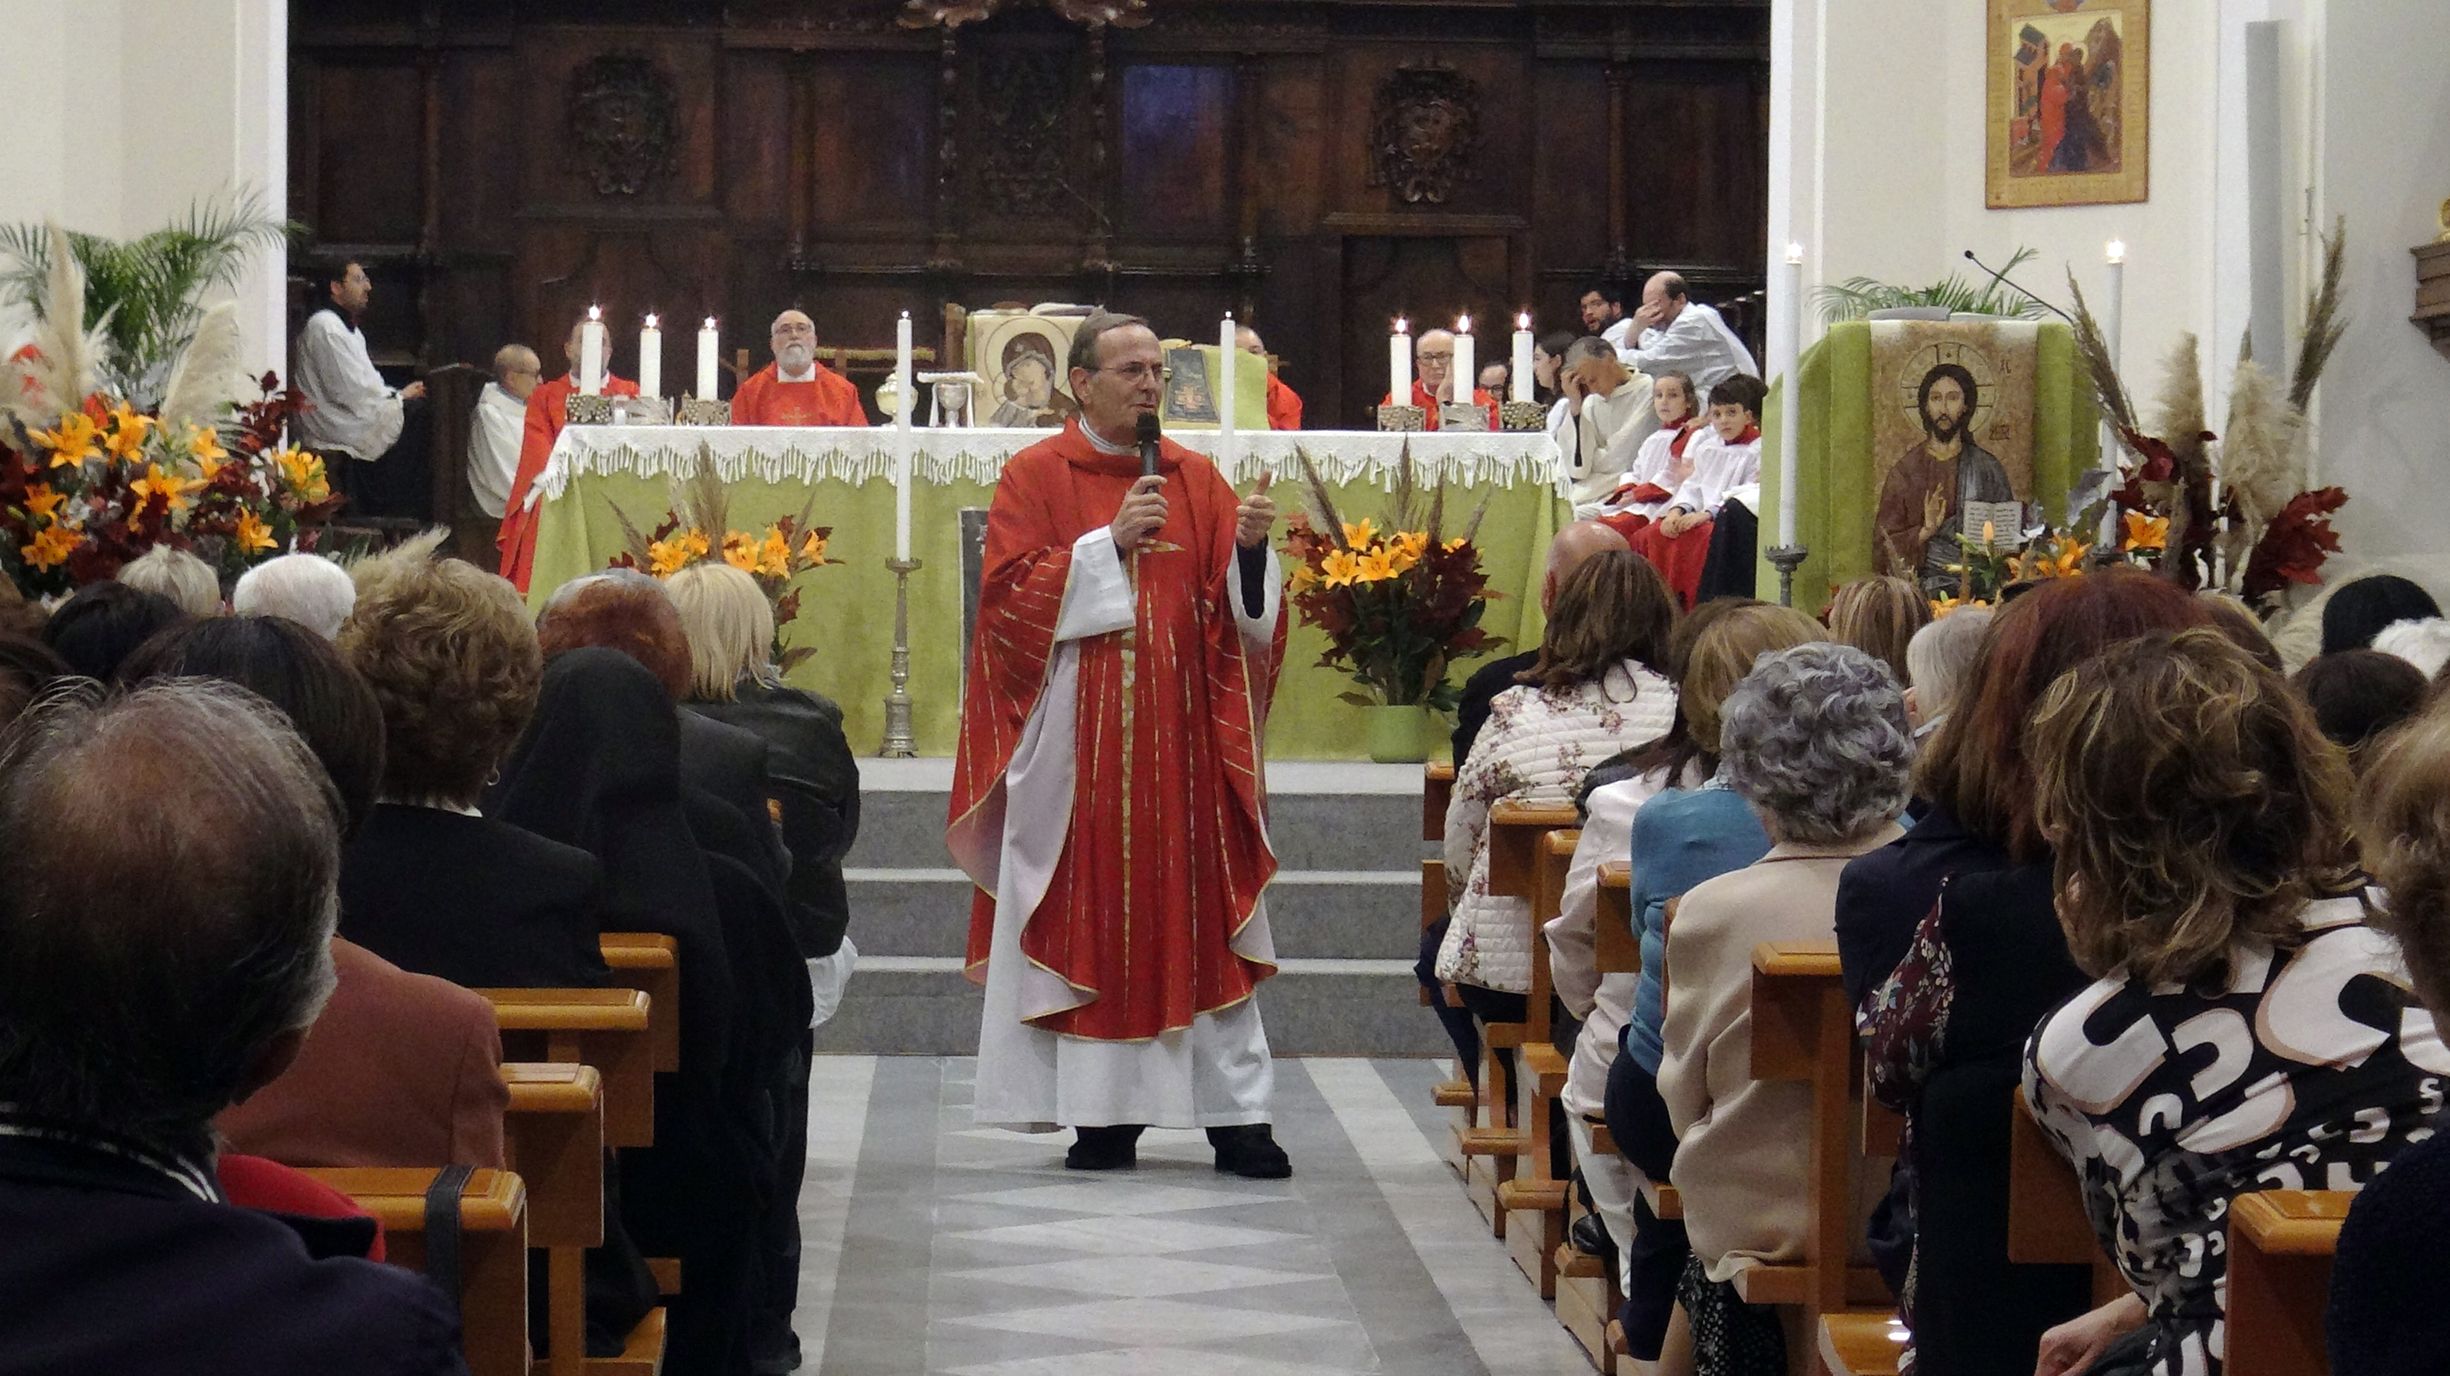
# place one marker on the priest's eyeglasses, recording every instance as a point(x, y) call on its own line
point(1141, 372)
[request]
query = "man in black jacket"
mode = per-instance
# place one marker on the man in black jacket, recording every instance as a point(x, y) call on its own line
point(167, 872)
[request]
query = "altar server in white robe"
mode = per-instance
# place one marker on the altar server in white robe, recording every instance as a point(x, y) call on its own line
point(494, 435)
point(1681, 335)
point(368, 432)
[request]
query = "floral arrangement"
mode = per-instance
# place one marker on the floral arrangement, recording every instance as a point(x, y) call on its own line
point(775, 556)
point(1399, 605)
point(91, 479)
point(2233, 515)
point(1989, 570)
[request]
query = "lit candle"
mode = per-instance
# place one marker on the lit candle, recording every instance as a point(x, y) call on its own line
point(1228, 350)
point(1399, 364)
point(1467, 369)
point(2114, 309)
point(1521, 382)
point(1785, 351)
point(903, 398)
point(591, 353)
point(651, 359)
point(709, 354)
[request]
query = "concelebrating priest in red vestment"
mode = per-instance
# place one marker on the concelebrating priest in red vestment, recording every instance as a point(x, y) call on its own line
point(1108, 798)
point(548, 410)
point(795, 389)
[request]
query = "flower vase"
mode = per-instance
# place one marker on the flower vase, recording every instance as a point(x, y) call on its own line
point(1405, 734)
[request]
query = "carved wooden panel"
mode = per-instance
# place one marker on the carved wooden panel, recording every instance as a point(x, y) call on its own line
point(875, 131)
point(1177, 152)
point(369, 189)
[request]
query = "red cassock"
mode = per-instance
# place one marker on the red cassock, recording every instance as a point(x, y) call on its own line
point(1284, 405)
point(548, 410)
point(1679, 560)
point(1164, 852)
point(829, 398)
point(1422, 399)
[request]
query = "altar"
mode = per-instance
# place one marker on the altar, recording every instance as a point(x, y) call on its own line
point(846, 479)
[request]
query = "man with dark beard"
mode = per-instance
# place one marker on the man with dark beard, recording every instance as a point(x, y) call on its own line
point(1926, 490)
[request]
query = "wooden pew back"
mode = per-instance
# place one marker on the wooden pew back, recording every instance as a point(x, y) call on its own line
point(604, 1028)
point(2280, 1248)
point(649, 962)
point(1619, 951)
point(492, 1251)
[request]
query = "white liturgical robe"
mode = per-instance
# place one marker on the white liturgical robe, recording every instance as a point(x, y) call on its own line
point(350, 408)
point(1721, 471)
point(1597, 450)
point(494, 435)
point(1698, 344)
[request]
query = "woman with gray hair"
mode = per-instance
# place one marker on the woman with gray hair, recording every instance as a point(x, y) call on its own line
point(1815, 739)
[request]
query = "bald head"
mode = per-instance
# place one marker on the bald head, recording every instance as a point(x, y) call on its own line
point(1434, 358)
point(1662, 298)
point(1247, 340)
point(517, 368)
point(1574, 546)
point(794, 338)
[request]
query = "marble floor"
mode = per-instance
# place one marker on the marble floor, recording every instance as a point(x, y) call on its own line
point(933, 1246)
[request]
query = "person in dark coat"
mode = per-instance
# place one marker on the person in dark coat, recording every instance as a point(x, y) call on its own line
point(167, 871)
point(599, 768)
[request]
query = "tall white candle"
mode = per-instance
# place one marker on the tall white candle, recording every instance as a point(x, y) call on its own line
point(1785, 351)
point(903, 399)
point(710, 353)
point(651, 359)
point(591, 353)
point(2113, 320)
point(1519, 386)
point(1467, 369)
point(1399, 364)
point(1228, 350)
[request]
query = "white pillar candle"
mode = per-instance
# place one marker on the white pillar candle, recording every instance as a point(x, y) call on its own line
point(1228, 348)
point(1461, 379)
point(1520, 385)
point(1785, 351)
point(903, 398)
point(591, 353)
point(710, 354)
point(1399, 364)
point(2114, 310)
point(651, 359)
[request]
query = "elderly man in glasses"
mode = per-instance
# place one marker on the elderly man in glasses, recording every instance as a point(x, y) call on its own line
point(1433, 378)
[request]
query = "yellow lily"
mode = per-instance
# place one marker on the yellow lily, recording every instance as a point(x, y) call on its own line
point(740, 552)
point(52, 545)
point(168, 486)
point(774, 554)
point(42, 501)
point(671, 556)
point(1943, 606)
point(205, 448)
point(2065, 560)
point(2146, 532)
point(812, 547)
point(129, 431)
point(304, 473)
point(1377, 566)
point(1455, 546)
point(1303, 580)
point(1360, 536)
point(1340, 568)
point(73, 441)
point(253, 534)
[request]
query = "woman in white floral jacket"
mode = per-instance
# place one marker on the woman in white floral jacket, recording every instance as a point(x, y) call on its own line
point(1596, 690)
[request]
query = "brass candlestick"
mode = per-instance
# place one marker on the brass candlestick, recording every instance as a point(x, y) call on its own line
point(901, 741)
point(1786, 559)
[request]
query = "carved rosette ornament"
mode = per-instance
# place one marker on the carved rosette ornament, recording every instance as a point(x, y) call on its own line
point(1095, 14)
point(1424, 133)
point(625, 121)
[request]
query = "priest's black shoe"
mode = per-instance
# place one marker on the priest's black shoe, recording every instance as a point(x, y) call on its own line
point(1250, 1152)
point(1590, 1237)
point(1105, 1149)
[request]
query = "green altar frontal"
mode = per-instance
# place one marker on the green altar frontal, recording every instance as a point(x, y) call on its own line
point(845, 480)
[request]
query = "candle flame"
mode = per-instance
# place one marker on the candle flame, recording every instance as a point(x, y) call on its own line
point(650, 320)
point(1402, 326)
point(2117, 251)
point(1463, 324)
point(595, 312)
point(710, 322)
point(1522, 321)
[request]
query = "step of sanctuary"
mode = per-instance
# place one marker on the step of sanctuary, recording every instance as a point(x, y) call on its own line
point(1344, 907)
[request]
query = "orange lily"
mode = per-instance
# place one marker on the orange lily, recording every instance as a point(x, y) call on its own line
point(73, 442)
point(253, 535)
point(170, 487)
point(52, 545)
point(42, 501)
point(2146, 532)
point(129, 431)
point(1340, 568)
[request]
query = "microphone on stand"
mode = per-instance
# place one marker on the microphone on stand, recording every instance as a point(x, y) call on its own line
point(2002, 279)
point(1145, 430)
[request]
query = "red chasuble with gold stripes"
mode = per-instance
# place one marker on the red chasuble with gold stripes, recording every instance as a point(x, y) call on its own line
point(1164, 852)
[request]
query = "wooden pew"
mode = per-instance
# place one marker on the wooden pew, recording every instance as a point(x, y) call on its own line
point(1587, 1297)
point(649, 962)
point(604, 1028)
point(1534, 1199)
point(2047, 1223)
point(2280, 1248)
point(1493, 1149)
point(492, 1251)
point(555, 1133)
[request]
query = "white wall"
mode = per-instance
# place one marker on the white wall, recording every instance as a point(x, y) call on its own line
point(1884, 173)
point(125, 112)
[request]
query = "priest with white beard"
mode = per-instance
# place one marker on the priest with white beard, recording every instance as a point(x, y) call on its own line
point(371, 435)
point(495, 433)
point(1681, 335)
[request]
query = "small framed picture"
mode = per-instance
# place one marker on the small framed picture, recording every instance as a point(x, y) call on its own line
point(2070, 102)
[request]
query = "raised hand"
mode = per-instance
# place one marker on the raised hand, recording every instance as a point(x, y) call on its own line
point(1143, 512)
point(1256, 515)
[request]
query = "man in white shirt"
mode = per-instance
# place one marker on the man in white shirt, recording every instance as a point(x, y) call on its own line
point(1603, 314)
point(1612, 415)
point(371, 435)
point(499, 426)
point(1681, 335)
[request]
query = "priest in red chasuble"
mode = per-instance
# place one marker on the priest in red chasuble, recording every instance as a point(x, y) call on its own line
point(548, 410)
point(795, 389)
point(1108, 799)
point(1433, 361)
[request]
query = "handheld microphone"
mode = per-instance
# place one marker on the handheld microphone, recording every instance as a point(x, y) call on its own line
point(1145, 430)
point(2002, 279)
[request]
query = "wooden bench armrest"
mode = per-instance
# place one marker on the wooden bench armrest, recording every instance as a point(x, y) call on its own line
point(2302, 1223)
point(1515, 829)
point(2280, 1250)
point(1618, 951)
point(608, 1029)
point(493, 1251)
point(649, 962)
point(2047, 1224)
point(555, 1135)
point(1437, 790)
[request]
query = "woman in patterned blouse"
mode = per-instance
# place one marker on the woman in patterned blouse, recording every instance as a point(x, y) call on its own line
point(2247, 1029)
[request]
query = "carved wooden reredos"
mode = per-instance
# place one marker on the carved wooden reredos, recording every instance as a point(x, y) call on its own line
point(1314, 167)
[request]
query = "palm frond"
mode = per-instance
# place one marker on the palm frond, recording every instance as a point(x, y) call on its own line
point(1857, 297)
point(2323, 323)
point(2108, 389)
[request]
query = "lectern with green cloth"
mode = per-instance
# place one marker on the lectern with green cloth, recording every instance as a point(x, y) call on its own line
point(1860, 388)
